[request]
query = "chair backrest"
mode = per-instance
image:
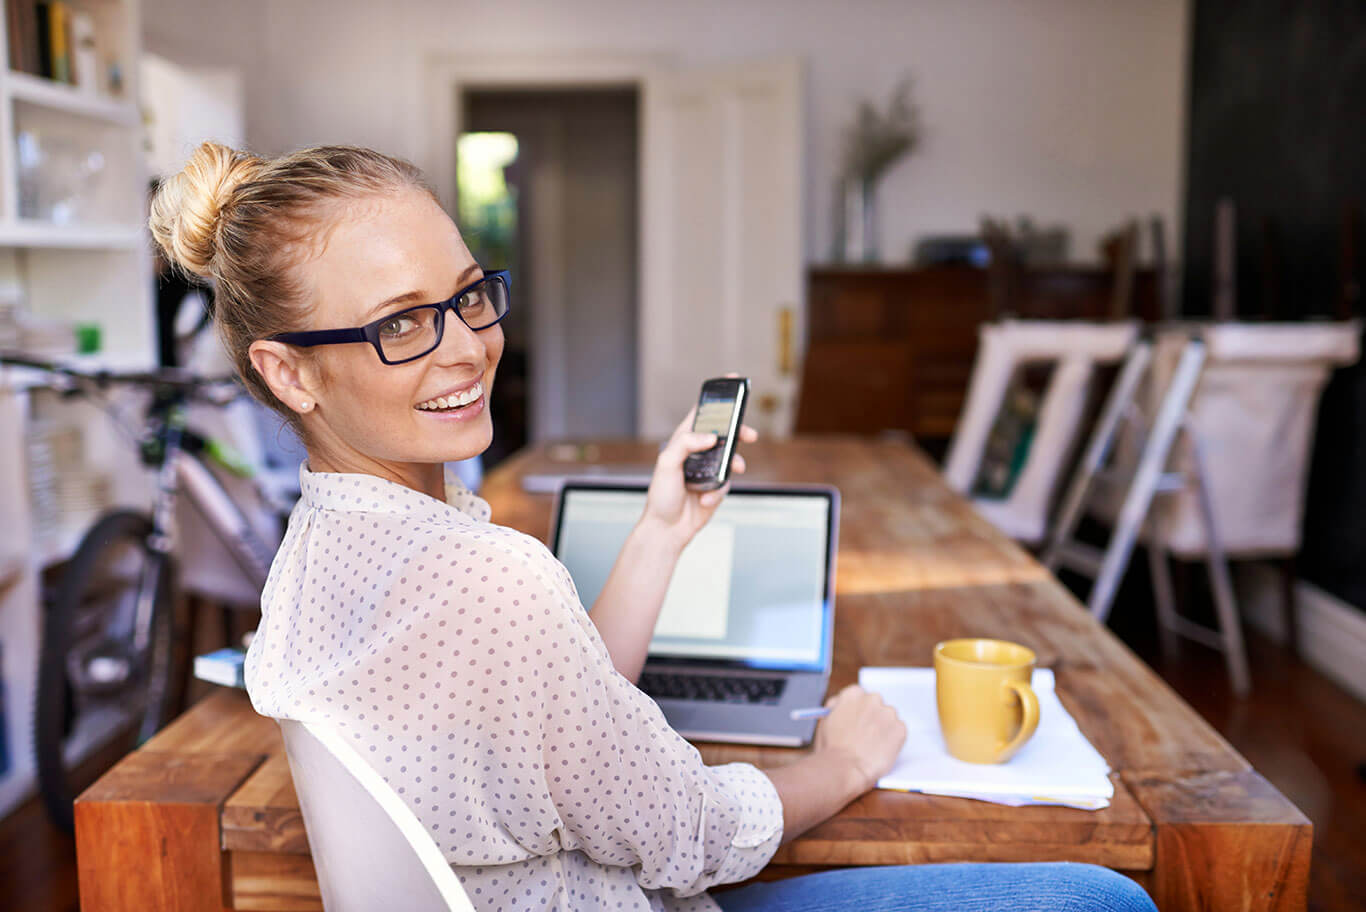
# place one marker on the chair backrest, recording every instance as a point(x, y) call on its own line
point(368, 847)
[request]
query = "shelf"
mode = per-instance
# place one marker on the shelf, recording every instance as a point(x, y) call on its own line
point(46, 93)
point(94, 268)
point(35, 234)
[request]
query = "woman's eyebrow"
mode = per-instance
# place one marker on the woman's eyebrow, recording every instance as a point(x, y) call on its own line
point(414, 296)
point(418, 297)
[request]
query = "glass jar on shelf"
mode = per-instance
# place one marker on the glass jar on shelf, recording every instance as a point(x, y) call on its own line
point(58, 176)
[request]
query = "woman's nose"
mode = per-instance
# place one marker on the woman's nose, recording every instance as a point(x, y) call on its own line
point(459, 343)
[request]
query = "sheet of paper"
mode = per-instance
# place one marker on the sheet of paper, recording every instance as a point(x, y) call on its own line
point(1057, 766)
point(698, 601)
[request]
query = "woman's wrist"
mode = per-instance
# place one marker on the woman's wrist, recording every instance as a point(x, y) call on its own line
point(659, 537)
point(846, 772)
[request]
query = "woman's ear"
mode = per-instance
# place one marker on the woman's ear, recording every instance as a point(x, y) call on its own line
point(287, 373)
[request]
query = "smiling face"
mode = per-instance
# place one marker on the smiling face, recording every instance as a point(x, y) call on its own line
point(377, 256)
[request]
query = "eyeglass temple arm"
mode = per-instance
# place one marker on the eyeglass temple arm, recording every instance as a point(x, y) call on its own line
point(321, 337)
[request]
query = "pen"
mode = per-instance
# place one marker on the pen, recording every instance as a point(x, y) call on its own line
point(811, 712)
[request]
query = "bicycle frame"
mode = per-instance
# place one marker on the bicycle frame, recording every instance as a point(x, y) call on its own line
point(181, 470)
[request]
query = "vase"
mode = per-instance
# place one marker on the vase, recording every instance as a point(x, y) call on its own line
point(868, 192)
point(839, 249)
point(860, 222)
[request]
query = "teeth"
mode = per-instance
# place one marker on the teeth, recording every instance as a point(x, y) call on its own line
point(445, 402)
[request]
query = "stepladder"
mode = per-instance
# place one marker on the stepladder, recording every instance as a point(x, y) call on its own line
point(1155, 440)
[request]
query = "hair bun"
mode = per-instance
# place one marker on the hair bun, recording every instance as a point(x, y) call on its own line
point(185, 211)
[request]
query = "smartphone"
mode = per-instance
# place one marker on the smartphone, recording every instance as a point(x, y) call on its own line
point(720, 409)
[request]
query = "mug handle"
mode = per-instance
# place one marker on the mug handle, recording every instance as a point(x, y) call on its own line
point(1029, 701)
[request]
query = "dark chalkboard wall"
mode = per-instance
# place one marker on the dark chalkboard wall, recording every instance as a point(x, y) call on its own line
point(1278, 124)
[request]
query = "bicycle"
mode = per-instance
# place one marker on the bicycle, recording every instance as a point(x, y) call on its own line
point(109, 669)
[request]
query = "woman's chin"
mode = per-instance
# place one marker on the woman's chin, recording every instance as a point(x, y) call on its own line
point(452, 439)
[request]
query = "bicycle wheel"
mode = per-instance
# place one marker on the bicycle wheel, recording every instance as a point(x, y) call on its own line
point(100, 692)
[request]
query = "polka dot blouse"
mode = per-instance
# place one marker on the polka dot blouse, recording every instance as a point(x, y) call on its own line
point(455, 654)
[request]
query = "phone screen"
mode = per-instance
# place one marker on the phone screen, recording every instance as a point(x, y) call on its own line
point(713, 411)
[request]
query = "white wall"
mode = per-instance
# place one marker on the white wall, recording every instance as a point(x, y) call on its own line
point(185, 105)
point(1068, 110)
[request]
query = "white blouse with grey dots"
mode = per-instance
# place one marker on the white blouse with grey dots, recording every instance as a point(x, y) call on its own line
point(456, 655)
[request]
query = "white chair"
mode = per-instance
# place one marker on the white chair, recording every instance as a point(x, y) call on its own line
point(368, 847)
point(1076, 348)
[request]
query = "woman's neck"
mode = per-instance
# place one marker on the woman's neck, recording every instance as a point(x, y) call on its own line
point(424, 477)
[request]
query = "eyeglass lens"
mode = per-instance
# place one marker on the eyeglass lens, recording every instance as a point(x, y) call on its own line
point(414, 332)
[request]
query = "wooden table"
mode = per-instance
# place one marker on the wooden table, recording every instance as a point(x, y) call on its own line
point(204, 816)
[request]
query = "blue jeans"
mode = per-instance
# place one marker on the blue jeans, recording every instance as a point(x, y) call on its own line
point(1056, 887)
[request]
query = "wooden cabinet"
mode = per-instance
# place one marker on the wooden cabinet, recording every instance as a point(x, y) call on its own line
point(892, 349)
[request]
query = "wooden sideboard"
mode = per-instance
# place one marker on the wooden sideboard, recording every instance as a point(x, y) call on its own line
point(892, 349)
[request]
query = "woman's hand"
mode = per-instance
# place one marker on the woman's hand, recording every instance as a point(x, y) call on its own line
point(855, 746)
point(866, 731)
point(670, 508)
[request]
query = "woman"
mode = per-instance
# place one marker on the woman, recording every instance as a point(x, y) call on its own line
point(454, 652)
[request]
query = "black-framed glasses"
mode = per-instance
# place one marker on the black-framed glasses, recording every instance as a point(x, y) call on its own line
point(408, 334)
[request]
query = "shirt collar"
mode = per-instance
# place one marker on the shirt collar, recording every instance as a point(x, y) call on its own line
point(370, 493)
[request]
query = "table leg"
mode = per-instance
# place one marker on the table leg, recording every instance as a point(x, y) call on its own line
point(147, 833)
point(1226, 841)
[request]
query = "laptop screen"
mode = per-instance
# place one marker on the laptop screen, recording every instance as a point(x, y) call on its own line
point(753, 588)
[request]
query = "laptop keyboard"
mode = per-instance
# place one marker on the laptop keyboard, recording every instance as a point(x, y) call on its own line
point(713, 688)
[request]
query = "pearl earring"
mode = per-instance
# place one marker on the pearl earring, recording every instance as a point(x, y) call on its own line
point(305, 405)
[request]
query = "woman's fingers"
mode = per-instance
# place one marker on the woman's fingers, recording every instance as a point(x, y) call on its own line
point(748, 434)
point(684, 426)
point(737, 464)
point(712, 498)
point(848, 689)
point(678, 449)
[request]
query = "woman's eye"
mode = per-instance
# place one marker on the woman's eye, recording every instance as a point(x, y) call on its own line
point(397, 326)
point(474, 300)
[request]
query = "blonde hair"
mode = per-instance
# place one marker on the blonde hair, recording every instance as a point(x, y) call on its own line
point(245, 222)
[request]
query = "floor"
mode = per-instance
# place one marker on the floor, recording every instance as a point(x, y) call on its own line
point(1300, 730)
point(1307, 736)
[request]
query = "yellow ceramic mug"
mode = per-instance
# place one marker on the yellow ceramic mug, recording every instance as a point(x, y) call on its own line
point(987, 710)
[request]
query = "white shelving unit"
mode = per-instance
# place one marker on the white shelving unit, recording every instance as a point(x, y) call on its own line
point(90, 263)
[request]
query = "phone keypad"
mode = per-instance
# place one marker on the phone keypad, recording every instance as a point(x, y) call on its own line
point(703, 466)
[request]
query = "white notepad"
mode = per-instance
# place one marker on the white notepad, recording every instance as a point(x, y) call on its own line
point(1056, 766)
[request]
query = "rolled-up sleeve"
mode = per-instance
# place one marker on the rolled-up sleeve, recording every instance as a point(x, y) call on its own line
point(760, 828)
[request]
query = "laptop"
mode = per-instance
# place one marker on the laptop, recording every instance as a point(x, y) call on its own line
point(744, 635)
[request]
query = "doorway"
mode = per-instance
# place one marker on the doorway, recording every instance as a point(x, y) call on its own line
point(568, 228)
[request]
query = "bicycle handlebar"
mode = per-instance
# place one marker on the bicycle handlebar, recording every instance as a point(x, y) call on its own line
point(164, 379)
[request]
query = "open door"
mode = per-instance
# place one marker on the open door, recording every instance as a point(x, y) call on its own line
point(721, 240)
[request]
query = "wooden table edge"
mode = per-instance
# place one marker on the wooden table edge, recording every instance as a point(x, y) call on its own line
point(157, 813)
